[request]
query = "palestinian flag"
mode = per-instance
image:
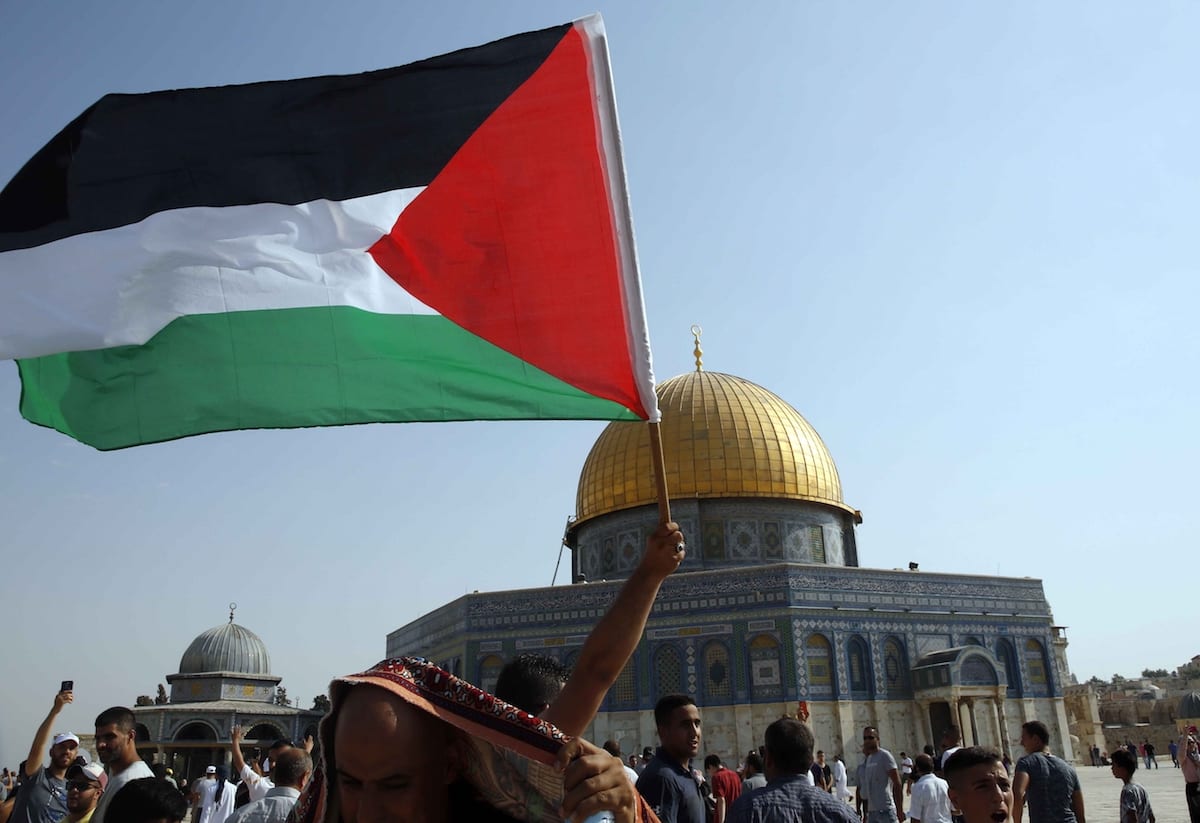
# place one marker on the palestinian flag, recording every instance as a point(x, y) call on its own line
point(447, 240)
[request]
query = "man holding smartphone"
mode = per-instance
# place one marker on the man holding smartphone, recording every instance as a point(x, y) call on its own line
point(43, 794)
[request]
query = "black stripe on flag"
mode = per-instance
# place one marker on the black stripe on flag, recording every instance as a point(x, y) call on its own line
point(292, 141)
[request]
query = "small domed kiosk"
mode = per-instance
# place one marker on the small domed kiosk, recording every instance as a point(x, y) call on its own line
point(224, 679)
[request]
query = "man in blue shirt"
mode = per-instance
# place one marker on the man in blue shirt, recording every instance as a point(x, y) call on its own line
point(667, 782)
point(787, 797)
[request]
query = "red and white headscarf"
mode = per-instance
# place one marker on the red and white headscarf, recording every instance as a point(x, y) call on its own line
point(512, 752)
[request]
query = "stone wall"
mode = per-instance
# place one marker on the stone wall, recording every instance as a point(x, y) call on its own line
point(1160, 734)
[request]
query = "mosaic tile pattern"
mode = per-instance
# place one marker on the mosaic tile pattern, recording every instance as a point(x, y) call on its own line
point(720, 534)
point(891, 611)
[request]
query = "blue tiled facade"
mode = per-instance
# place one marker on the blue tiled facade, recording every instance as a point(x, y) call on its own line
point(867, 618)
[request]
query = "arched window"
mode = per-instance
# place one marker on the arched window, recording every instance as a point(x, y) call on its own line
point(717, 675)
point(766, 681)
point(895, 668)
point(1038, 668)
point(489, 671)
point(668, 672)
point(858, 662)
point(623, 694)
point(819, 656)
point(1012, 669)
point(816, 544)
point(972, 640)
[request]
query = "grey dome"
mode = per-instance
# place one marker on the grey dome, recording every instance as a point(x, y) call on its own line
point(226, 648)
point(1189, 706)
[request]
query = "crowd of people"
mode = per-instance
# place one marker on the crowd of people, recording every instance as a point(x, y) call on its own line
point(1146, 751)
point(407, 741)
point(389, 753)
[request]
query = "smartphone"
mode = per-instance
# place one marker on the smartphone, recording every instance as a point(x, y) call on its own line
point(67, 686)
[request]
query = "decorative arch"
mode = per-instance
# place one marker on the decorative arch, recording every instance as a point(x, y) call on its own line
point(976, 670)
point(858, 667)
point(668, 671)
point(1038, 666)
point(717, 675)
point(972, 640)
point(766, 671)
point(896, 668)
point(265, 733)
point(818, 654)
point(489, 672)
point(141, 732)
point(196, 730)
point(1008, 656)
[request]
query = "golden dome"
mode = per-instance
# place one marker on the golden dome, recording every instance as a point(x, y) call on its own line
point(722, 437)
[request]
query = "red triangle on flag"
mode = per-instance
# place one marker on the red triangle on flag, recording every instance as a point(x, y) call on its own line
point(514, 240)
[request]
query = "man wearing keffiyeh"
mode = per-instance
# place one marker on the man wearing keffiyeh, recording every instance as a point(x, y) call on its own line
point(407, 741)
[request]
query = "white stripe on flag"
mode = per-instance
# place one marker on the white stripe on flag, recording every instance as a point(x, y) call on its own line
point(122, 286)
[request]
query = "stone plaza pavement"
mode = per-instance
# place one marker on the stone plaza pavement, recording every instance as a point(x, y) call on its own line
point(1102, 791)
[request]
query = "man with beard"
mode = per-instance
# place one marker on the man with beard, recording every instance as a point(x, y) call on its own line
point(880, 785)
point(85, 786)
point(667, 782)
point(117, 751)
point(43, 791)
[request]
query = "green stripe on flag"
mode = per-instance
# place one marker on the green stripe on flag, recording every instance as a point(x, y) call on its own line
point(292, 367)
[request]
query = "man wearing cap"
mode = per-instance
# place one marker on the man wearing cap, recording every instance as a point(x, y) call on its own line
point(85, 785)
point(43, 791)
point(117, 751)
point(202, 793)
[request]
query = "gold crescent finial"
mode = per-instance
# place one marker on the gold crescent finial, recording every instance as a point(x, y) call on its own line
point(232, 607)
point(698, 352)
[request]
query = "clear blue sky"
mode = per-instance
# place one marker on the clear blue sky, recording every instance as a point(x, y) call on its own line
point(959, 237)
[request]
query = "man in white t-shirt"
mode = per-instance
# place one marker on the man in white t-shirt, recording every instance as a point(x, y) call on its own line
point(258, 784)
point(951, 742)
point(203, 791)
point(930, 794)
point(117, 751)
